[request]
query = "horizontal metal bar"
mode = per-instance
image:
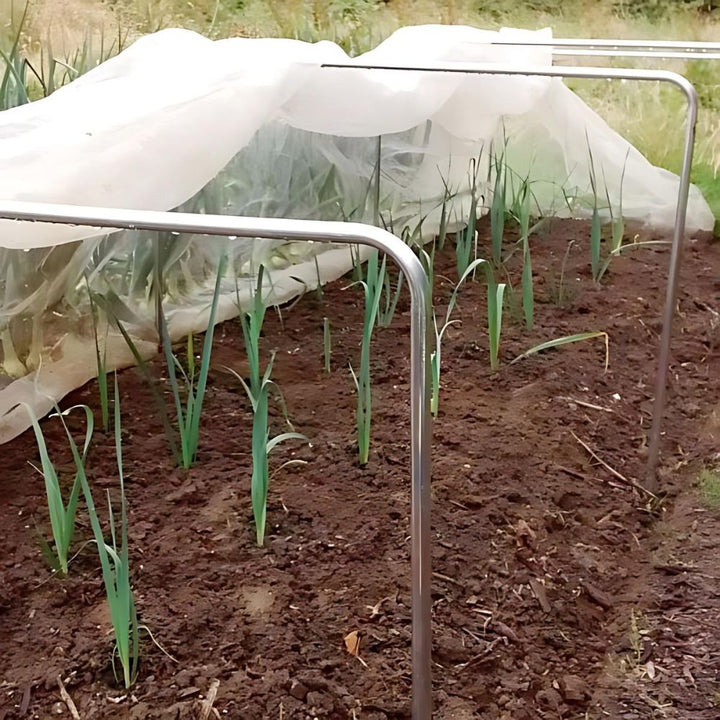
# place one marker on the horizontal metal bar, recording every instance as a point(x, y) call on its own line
point(642, 54)
point(690, 46)
point(597, 73)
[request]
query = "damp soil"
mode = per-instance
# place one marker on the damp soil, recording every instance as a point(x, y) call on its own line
point(559, 589)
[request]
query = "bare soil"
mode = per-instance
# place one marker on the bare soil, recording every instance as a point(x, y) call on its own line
point(560, 591)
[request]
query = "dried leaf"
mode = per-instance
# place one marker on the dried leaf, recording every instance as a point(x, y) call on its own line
point(352, 643)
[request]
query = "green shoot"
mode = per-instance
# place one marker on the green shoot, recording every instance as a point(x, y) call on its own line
point(528, 299)
point(188, 417)
point(262, 445)
point(62, 516)
point(435, 360)
point(595, 242)
point(442, 230)
point(595, 222)
point(100, 359)
point(387, 310)
point(436, 355)
point(251, 323)
point(114, 560)
point(428, 262)
point(495, 298)
point(566, 340)
point(372, 286)
point(495, 312)
point(617, 225)
point(327, 344)
point(561, 296)
point(498, 208)
point(116, 311)
point(465, 239)
point(257, 390)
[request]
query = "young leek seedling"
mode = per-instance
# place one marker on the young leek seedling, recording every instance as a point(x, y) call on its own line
point(498, 208)
point(436, 355)
point(100, 358)
point(258, 392)
point(188, 413)
point(528, 298)
point(372, 286)
point(495, 294)
point(117, 313)
point(387, 310)
point(114, 560)
point(466, 238)
point(62, 515)
point(262, 446)
point(617, 225)
point(595, 223)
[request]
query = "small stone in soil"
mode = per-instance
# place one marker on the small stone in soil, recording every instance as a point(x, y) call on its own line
point(298, 690)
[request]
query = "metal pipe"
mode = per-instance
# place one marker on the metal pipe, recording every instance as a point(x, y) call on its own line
point(604, 73)
point(688, 46)
point(420, 421)
point(644, 49)
point(642, 54)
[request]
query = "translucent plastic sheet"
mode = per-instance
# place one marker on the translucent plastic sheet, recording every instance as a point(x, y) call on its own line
point(258, 127)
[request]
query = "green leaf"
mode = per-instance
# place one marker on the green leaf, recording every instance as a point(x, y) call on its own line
point(566, 340)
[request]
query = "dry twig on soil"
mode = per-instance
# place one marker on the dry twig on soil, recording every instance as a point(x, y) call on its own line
point(612, 470)
point(67, 699)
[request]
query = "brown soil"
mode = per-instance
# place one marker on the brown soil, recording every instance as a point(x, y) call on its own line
point(559, 590)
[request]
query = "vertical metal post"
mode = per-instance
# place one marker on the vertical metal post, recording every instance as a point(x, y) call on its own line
point(420, 419)
point(647, 49)
point(680, 214)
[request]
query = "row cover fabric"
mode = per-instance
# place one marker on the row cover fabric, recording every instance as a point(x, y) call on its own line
point(150, 127)
point(258, 127)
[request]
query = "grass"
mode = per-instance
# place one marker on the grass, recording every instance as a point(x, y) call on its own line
point(709, 482)
point(359, 25)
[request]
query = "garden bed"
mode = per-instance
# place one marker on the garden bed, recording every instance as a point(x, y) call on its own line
point(559, 589)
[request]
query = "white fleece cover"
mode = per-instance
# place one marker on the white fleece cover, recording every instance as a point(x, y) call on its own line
point(151, 127)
